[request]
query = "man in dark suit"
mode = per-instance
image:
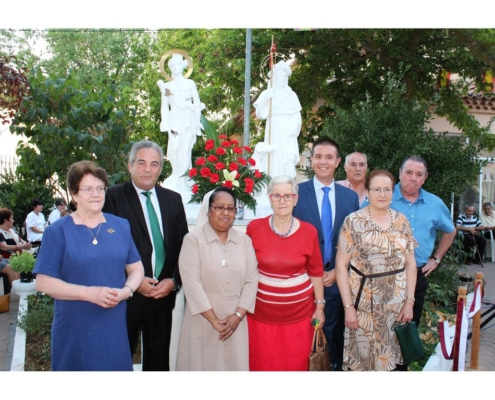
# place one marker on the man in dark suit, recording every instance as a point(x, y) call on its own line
point(325, 158)
point(150, 308)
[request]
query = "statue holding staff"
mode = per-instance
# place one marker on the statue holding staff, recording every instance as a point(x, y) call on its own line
point(281, 109)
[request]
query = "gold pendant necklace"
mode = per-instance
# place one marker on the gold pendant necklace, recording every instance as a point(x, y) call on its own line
point(95, 242)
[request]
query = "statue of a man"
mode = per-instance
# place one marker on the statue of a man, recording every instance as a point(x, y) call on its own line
point(181, 119)
point(283, 122)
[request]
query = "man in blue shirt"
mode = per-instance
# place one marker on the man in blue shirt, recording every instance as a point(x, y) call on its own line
point(426, 213)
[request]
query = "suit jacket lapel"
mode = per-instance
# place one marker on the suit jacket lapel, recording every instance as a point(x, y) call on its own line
point(133, 198)
point(162, 200)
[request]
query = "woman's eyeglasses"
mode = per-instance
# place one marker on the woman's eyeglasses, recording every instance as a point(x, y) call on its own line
point(88, 190)
point(230, 209)
point(380, 190)
point(287, 197)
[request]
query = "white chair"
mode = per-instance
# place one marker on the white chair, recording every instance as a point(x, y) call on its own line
point(490, 247)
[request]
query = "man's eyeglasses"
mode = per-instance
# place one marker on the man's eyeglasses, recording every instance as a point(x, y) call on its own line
point(380, 190)
point(230, 209)
point(88, 190)
point(287, 197)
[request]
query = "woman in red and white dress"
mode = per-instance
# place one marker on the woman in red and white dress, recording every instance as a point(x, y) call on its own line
point(290, 289)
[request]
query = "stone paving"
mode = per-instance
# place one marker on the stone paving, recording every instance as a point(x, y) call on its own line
point(486, 361)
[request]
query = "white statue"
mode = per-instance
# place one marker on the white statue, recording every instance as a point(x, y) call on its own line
point(283, 122)
point(181, 119)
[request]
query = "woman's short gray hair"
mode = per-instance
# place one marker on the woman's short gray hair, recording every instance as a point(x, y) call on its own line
point(279, 180)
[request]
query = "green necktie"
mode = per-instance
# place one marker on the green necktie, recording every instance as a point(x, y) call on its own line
point(158, 245)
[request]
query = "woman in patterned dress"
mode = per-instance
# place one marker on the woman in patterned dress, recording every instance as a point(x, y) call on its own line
point(378, 289)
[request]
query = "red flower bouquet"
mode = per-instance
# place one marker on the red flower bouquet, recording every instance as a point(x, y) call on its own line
point(228, 165)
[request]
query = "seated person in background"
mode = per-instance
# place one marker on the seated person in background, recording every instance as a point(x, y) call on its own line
point(6, 269)
point(468, 224)
point(487, 218)
point(35, 222)
point(60, 205)
point(356, 168)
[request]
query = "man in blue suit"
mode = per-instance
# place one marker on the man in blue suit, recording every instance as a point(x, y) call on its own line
point(326, 210)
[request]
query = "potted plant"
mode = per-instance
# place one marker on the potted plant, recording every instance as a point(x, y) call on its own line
point(227, 165)
point(24, 264)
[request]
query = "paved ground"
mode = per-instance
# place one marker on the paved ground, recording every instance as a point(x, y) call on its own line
point(7, 331)
point(487, 338)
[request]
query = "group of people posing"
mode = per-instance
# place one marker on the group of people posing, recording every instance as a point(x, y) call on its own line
point(325, 259)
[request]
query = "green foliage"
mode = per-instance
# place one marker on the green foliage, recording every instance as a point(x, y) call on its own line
point(390, 129)
point(37, 323)
point(17, 193)
point(67, 121)
point(22, 262)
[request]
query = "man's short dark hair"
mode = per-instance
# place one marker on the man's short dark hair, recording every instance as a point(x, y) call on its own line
point(325, 140)
point(418, 159)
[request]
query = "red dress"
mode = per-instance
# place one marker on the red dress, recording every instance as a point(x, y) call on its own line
point(280, 331)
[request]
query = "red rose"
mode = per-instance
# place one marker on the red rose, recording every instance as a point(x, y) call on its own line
point(219, 166)
point(222, 136)
point(193, 172)
point(252, 161)
point(225, 143)
point(214, 178)
point(227, 184)
point(238, 175)
point(234, 142)
point(257, 174)
point(242, 161)
point(221, 151)
point(237, 150)
point(212, 158)
point(248, 149)
point(200, 161)
point(195, 188)
point(209, 144)
point(248, 189)
point(249, 182)
point(233, 166)
point(205, 172)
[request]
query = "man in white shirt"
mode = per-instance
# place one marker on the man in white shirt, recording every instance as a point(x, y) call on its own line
point(35, 222)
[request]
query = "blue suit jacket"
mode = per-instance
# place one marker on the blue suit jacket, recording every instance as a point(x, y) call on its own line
point(346, 202)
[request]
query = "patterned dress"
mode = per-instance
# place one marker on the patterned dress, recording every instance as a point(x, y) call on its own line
point(375, 251)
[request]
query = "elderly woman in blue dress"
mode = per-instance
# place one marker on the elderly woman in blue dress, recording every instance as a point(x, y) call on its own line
point(89, 264)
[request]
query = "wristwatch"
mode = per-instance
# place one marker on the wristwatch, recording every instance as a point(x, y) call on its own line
point(176, 285)
point(437, 260)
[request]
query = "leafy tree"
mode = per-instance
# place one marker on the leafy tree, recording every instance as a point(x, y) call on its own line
point(66, 122)
point(389, 130)
point(339, 66)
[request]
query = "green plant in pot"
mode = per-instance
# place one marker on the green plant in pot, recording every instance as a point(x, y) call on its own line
point(24, 264)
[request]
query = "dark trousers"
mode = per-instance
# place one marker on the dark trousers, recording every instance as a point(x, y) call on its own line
point(334, 328)
point(474, 240)
point(419, 296)
point(156, 325)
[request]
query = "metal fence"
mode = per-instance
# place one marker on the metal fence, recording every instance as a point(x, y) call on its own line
point(8, 163)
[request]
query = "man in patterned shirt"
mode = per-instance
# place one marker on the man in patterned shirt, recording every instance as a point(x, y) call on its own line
point(469, 224)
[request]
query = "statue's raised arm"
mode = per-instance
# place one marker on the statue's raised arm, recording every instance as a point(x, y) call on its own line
point(180, 117)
